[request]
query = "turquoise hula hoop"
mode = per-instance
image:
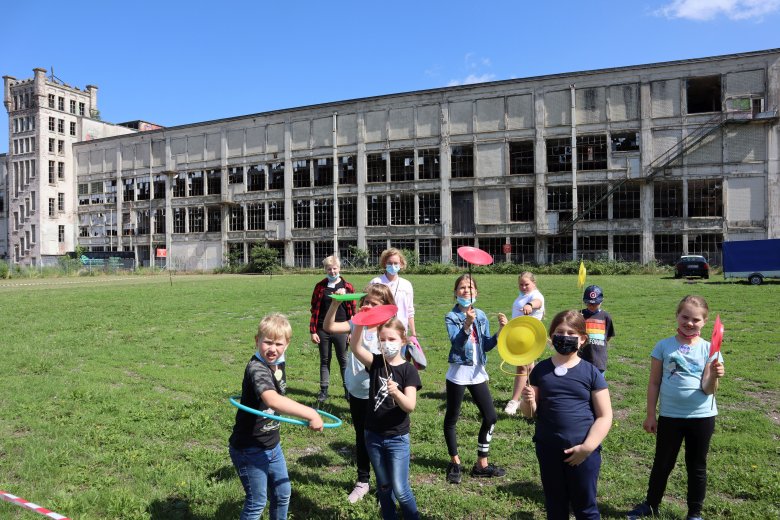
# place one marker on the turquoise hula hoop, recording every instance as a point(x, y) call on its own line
point(298, 422)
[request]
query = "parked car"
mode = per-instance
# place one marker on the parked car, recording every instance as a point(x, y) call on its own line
point(692, 265)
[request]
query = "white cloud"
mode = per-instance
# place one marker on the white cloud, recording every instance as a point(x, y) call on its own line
point(472, 78)
point(703, 10)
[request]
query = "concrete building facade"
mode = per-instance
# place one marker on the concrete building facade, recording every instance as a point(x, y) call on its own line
point(635, 163)
point(45, 118)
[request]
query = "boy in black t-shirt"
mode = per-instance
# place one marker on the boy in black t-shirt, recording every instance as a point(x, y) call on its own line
point(598, 324)
point(254, 445)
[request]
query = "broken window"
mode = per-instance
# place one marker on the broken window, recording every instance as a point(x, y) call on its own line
point(376, 210)
point(559, 249)
point(593, 247)
point(214, 219)
point(323, 213)
point(462, 161)
point(375, 248)
point(430, 208)
point(179, 220)
point(276, 176)
point(592, 152)
point(429, 250)
point(302, 254)
point(142, 190)
point(559, 199)
point(255, 216)
point(322, 249)
point(347, 211)
point(236, 218)
point(196, 184)
point(667, 199)
point(703, 94)
point(180, 185)
point(558, 155)
point(428, 163)
point(521, 204)
point(456, 243)
point(709, 245)
point(521, 158)
point(128, 194)
point(196, 220)
point(705, 198)
point(376, 167)
point(494, 246)
point(345, 252)
point(255, 178)
point(348, 170)
point(323, 171)
point(301, 174)
point(625, 142)
point(587, 195)
point(142, 221)
point(301, 214)
point(402, 210)
point(626, 248)
point(276, 210)
point(523, 250)
point(236, 174)
point(407, 245)
point(159, 221)
point(402, 166)
point(159, 187)
point(214, 182)
point(626, 201)
point(668, 248)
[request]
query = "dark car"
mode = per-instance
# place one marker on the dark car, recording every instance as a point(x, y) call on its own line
point(692, 265)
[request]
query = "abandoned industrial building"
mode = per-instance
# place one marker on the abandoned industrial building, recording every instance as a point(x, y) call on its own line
point(634, 163)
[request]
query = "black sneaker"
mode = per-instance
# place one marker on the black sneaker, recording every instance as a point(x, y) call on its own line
point(489, 471)
point(322, 396)
point(642, 510)
point(454, 473)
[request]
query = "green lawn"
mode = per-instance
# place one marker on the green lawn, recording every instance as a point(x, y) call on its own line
point(113, 399)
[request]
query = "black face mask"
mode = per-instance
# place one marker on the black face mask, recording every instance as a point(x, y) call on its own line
point(565, 345)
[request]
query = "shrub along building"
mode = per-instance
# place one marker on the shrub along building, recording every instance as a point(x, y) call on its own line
point(631, 163)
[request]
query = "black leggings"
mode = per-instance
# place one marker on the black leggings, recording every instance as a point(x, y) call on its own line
point(359, 409)
point(327, 343)
point(484, 401)
point(671, 432)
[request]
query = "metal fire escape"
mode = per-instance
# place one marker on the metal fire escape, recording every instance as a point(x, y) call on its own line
point(667, 159)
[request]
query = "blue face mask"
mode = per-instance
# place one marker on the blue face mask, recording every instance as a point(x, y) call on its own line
point(466, 302)
point(332, 278)
point(278, 361)
point(392, 269)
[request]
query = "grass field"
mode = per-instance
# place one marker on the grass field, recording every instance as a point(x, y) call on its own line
point(113, 399)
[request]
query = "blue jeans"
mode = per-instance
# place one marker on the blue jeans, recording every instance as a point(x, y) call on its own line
point(263, 473)
point(390, 459)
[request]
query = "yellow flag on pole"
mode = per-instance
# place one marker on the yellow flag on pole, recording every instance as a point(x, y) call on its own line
point(581, 276)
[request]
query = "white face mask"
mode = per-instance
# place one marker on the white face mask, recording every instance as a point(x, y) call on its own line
point(390, 348)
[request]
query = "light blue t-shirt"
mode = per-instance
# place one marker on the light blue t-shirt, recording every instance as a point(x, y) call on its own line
point(682, 370)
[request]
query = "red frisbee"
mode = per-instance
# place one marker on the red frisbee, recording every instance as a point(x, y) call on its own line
point(475, 255)
point(375, 315)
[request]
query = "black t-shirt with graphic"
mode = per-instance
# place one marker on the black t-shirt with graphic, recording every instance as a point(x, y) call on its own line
point(384, 417)
point(253, 431)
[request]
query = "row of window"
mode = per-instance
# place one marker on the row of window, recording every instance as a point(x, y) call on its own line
point(60, 146)
point(59, 124)
point(24, 100)
point(56, 171)
point(71, 105)
point(23, 124)
point(23, 173)
point(24, 145)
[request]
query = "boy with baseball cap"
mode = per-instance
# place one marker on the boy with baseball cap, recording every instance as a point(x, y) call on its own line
point(598, 324)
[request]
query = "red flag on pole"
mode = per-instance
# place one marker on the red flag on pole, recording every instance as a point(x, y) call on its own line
point(717, 337)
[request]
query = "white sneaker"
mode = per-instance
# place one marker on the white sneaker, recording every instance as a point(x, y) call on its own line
point(361, 488)
point(511, 407)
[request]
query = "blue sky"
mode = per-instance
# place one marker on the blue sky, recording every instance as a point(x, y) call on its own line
point(177, 62)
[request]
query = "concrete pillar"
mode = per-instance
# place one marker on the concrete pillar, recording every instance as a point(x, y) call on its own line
point(92, 110)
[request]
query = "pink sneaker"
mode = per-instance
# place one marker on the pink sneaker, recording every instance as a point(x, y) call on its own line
point(361, 488)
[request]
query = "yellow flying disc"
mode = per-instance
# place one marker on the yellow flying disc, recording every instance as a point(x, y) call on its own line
point(522, 340)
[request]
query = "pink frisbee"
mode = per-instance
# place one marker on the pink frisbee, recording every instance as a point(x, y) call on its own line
point(374, 315)
point(475, 255)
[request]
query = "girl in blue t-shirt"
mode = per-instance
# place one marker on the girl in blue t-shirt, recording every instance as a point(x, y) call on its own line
point(570, 401)
point(685, 378)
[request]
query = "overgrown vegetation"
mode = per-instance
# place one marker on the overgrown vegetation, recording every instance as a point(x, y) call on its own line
point(113, 401)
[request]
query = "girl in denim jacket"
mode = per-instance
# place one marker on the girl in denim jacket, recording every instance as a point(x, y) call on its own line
point(470, 339)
